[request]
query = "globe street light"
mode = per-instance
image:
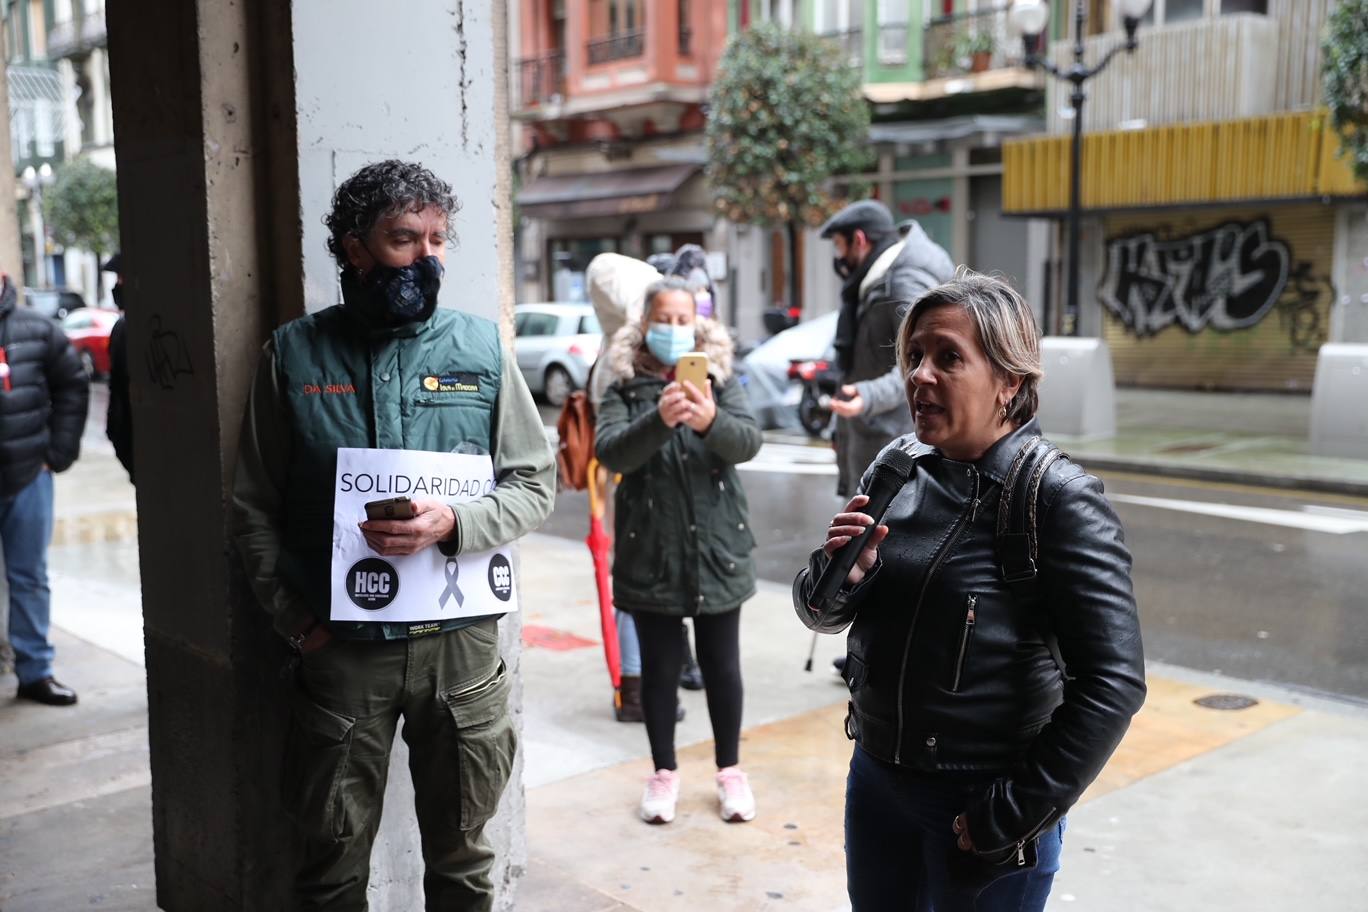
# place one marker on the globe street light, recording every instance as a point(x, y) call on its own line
point(1029, 17)
point(35, 181)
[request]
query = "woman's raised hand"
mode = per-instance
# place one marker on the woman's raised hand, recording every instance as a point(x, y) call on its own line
point(688, 405)
point(849, 525)
point(702, 408)
point(674, 405)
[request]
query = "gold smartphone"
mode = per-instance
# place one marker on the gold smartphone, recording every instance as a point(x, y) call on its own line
point(392, 508)
point(694, 368)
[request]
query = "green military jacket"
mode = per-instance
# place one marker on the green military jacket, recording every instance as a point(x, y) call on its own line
point(331, 380)
point(683, 539)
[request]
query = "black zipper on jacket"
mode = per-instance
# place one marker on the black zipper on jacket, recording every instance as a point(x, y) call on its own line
point(960, 523)
point(969, 621)
point(681, 469)
point(1020, 844)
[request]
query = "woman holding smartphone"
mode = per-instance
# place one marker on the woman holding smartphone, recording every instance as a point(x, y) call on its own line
point(682, 527)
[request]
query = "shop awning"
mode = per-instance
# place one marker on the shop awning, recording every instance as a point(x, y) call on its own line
point(1291, 156)
point(627, 192)
point(952, 128)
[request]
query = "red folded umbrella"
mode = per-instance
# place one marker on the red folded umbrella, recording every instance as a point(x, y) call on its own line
point(600, 547)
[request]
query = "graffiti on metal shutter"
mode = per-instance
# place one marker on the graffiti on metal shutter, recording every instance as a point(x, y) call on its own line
point(1226, 278)
point(1165, 270)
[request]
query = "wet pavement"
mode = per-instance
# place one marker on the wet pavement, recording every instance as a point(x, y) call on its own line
point(1266, 585)
point(1200, 808)
point(1245, 597)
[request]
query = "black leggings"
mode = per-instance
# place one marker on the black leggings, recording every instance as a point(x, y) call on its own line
point(717, 639)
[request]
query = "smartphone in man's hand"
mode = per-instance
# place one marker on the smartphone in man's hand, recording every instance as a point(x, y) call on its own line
point(392, 508)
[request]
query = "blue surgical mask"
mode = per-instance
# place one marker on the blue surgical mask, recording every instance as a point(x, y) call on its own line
point(669, 343)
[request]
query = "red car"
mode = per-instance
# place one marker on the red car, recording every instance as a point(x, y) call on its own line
point(88, 329)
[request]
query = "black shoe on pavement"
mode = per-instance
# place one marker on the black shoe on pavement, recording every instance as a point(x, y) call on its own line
point(627, 701)
point(691, 678)
point(47, 691)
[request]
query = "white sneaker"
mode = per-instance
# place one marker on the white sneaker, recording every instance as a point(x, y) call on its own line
point(658, 801)
point(737, 803)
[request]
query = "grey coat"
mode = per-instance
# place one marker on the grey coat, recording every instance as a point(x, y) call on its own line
point(901, 275)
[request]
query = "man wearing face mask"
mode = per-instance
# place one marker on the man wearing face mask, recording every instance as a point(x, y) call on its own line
point(119, 416)
point(882, 276)
point(354, 375)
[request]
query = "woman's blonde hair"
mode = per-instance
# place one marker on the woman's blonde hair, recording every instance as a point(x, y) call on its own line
point(1006, 331)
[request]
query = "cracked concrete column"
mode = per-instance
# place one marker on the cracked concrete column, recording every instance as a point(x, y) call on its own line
point(11, 262)
point(11, 256)
point(234, 122)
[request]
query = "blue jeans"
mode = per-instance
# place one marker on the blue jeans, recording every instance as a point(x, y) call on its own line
point(26, 532)
point(899, 845)
point(629, 647)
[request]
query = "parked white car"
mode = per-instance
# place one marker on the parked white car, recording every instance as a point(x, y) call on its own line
point(556, 344)
point(773, 394)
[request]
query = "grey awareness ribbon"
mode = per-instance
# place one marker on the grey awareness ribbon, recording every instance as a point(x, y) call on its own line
point(453, 573)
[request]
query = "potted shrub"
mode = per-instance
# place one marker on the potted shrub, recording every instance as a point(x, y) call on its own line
point(979, 47)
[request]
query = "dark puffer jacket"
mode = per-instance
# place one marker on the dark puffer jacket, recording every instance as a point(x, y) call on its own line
point(44, 412)
point(950, 668)
point(683, 540)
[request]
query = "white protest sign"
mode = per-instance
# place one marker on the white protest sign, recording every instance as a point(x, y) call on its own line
point(427, 586)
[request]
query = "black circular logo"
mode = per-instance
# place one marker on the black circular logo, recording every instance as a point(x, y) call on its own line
point(501, 577)
point(372, 584)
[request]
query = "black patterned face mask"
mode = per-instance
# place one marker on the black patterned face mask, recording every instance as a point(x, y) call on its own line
point(404, 294)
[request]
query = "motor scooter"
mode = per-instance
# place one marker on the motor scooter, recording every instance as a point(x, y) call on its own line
point(821, 381)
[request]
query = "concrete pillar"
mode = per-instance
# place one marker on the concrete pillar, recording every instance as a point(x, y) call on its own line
point(1349, 312)
point(11, 255)
point(223, 184)
point(959, 205)
point(1092, 269)
point(71, 120)
point(99, 88)
point(887, 163)
point(11, 262)
point(1037, 264)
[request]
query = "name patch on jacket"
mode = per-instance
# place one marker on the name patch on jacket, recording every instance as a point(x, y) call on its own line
point(452, 383)
point(329, 389)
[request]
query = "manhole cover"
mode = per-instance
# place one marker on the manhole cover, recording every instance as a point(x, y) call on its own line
point(1226, 701)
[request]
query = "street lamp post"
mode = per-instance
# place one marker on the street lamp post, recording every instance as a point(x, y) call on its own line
point(1030, 18)
point(35, 181)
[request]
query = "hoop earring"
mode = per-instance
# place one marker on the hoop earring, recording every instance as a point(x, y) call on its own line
point(1003, 412)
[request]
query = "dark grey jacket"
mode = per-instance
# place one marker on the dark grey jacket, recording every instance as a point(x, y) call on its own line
point(900, 276)
point(43, 413)
point(904, 273)
point(949, 666)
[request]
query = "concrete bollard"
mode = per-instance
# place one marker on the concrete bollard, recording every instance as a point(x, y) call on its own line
point(1078, 394)
point(1339, 402)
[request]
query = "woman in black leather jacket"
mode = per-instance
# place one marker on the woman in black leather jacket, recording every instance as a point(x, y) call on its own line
point(994, 657)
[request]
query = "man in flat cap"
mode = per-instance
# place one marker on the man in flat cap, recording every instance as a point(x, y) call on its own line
point(882, 276)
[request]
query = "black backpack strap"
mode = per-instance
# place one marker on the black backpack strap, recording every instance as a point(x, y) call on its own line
point(1042, 466)
point(1014, 543)
point(1018, 539)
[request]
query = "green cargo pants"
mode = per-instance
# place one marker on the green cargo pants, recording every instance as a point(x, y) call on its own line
point(452, 691)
